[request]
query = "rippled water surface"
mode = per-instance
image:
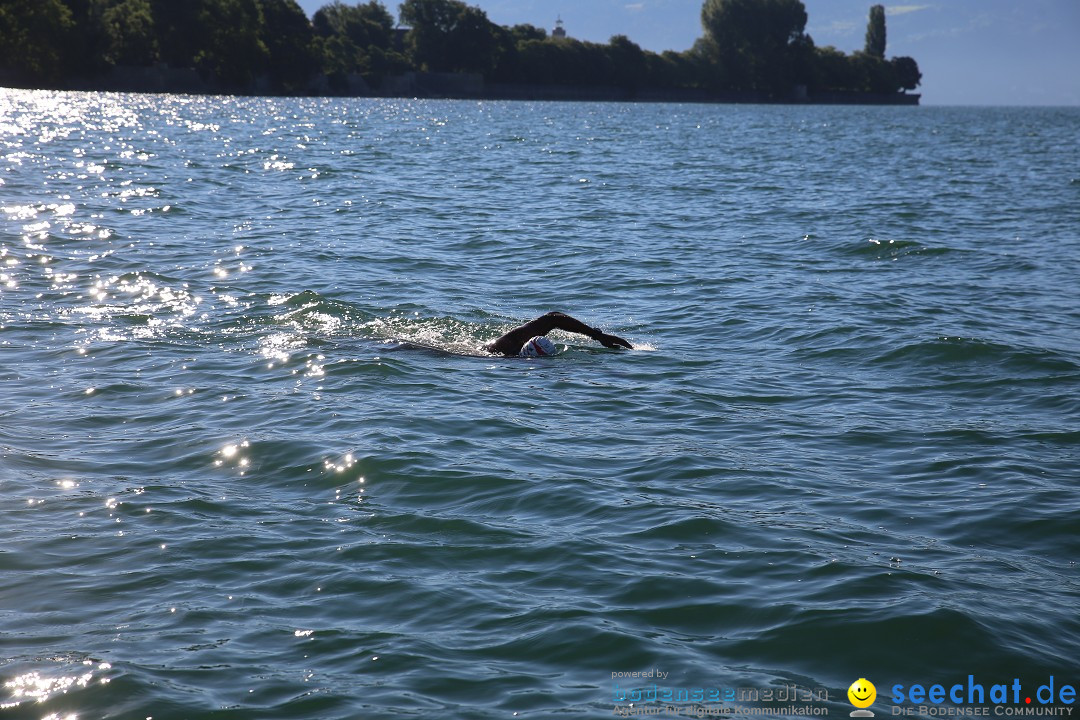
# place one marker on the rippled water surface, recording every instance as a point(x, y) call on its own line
point(237, 486)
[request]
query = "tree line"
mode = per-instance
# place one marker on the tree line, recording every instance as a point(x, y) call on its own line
point(748, 45)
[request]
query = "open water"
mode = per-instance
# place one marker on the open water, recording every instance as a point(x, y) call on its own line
point(846, 444)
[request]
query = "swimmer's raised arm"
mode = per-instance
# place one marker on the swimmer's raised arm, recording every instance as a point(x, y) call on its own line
point(511, 342)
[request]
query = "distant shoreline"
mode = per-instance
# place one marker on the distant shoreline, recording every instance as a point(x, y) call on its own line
point(453, 86)
point(750, 52)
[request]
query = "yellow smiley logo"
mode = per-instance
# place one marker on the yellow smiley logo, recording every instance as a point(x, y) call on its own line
point(862, 693)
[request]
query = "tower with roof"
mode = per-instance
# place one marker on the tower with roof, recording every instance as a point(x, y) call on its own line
point(559, 31)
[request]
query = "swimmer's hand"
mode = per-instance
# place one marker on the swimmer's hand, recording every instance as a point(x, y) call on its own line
point(612, 341)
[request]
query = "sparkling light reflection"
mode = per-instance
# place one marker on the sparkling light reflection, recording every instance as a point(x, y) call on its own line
point(36, 687)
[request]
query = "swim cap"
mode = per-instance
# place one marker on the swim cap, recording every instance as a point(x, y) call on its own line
point(539, 346)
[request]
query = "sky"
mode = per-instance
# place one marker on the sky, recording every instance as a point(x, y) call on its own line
point(971, 52)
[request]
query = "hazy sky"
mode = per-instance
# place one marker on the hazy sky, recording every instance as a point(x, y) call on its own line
point(971, 52)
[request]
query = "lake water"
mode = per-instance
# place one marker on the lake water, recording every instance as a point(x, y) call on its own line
point(846, 444)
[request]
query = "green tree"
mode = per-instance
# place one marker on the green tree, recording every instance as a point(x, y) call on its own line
point(833, 70)
point(754, 42)
point(526, 31)
point(907, 73)
point(872, 74)
point(339, 57)
point(87, 50)
point(708, 68)
point(34, 33)
point(536, 61)
point(448, 36)
point(385, 62)
point(129, 33)
point(430, 24)
point(670, 69)
point(800, 61)
point(179, 31)
point(232, 49)
point(661, 70)
point(875, 32)
point(589, 64)
point(473, 42)
point(628, 65)
point(365, 24)
point(357, 39)
point(289, 40)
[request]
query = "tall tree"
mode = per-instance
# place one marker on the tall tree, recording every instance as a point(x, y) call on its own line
point(526, 31)
point(473, 42)
point(288, 38)
point(875, 32)
point(907, 72)
point(233, 50)
point(35, 33)
point(357, 39)
point(755, 43)
point(129, 33)
point(833, 70)
point(87, 51)
point(628, 64)
point(430, 24)
point(448, 35)
point(180, 34)
point(364, 24)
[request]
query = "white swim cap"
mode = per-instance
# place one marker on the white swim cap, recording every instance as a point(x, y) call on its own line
point(539, 346)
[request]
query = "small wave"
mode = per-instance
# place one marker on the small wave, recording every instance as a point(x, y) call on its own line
point(904, 632)
point(300, 299)
point(311, 312)
point(958, 350)
point(1064, 437)
point(892, 249)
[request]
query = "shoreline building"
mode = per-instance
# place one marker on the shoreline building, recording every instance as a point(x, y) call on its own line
point(559, 31)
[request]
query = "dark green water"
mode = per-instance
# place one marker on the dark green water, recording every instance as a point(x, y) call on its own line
point(846, 445)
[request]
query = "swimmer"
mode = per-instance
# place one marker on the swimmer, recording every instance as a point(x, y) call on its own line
point(528, 340)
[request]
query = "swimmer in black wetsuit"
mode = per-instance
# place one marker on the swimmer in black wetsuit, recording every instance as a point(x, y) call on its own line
point(528, 340)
